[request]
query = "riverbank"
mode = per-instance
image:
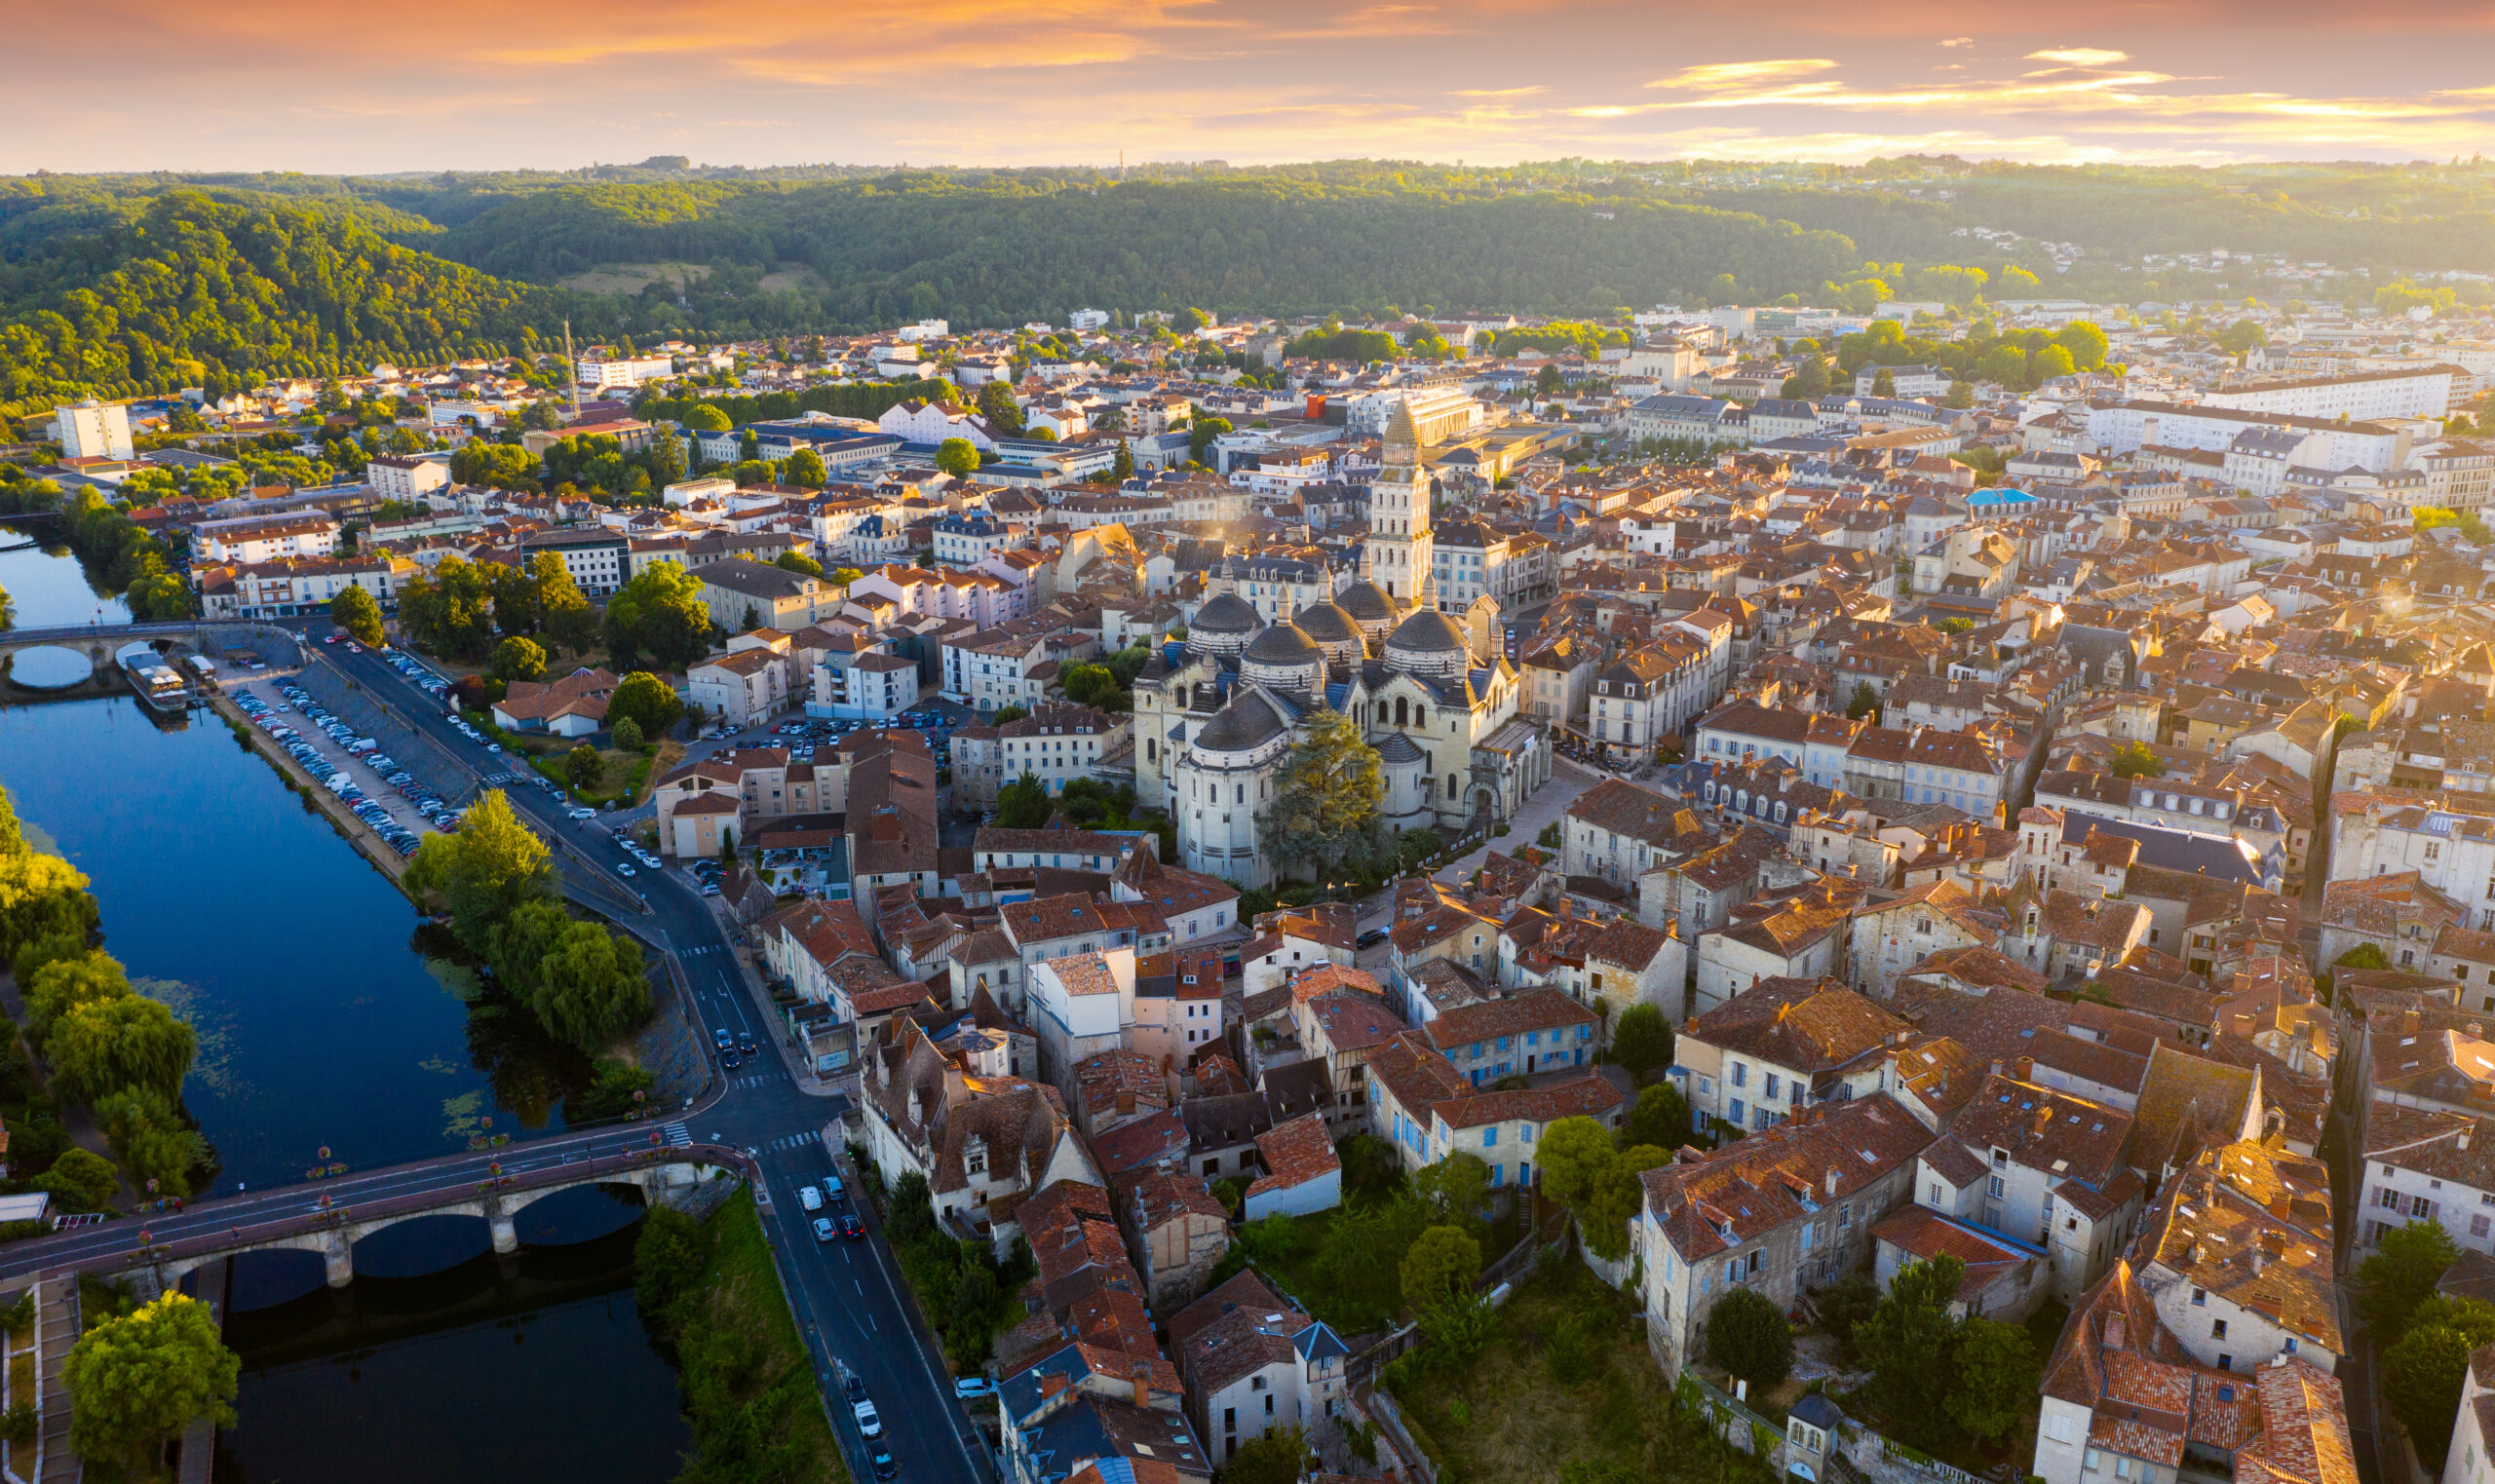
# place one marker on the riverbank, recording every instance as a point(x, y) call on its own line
point(712, 1294)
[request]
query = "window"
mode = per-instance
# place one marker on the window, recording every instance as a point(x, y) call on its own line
point(2122, 1466)
point(2226, 1362)
point(1490, 1138)
point(2387, 1199)
point(2218, 1329)
point(1993, 1188)
point(2095, 1460)
point(2200, 1297)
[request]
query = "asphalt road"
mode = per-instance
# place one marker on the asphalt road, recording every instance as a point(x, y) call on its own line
point(848, 1296)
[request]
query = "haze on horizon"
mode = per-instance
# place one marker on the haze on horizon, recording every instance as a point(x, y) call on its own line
point(113, 85)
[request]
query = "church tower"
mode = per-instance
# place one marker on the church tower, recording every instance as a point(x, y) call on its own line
point(1399, 555)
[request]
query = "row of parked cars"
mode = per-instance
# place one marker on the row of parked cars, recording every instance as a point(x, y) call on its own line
point(424, 680)
point(801, 737)
point(299, 702)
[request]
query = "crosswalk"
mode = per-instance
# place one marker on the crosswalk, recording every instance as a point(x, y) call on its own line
point(757, 1079)
point(679, 1135)
point(695, 953)
point(796, 1141)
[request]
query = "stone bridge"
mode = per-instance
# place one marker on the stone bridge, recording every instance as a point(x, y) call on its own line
point(209, 636)
point(308, 1219)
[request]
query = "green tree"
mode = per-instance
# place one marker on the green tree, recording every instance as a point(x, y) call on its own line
point(2004, 364)
point(2085, 343)
point(126, 1040)
point(1574, 1157)
point(151, 1140)
point(958, 457)
point(1996, 1379)
point(156, 597)
point(1865, 702)
point(627, 735)
point(800, 562)
point(1454, 1190)
point(42, 894)
point(1747, 1335)
point(1440, 1264)
point(2400, 1274)
point(2135, 761)
point(80, 1180)
point(659, 613)
point(136, 1382)
point(1201, 433)
point(358, 614)
point(996, 404)
point(450, 612)
point(1277, 1455)
point(485, 870)
point(1121, 466)
point(516, 658)
point(1884, 383)
point(2048, 362)
point(647, 701)
point(1660, 1118)
point(1642, 1041)
point(583, 768)
point(704, 417)
point(2421, 1374)
point(1908, 1343)
point(805, 470)
point(1023, 804)
point(61, 985)
point(1326, 796)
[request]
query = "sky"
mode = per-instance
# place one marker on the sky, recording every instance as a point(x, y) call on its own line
point(113, 85)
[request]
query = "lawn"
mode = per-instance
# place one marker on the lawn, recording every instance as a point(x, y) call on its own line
point(747, 1374)
point(1566, 1392)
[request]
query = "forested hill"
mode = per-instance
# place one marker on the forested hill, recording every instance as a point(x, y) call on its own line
point(926, 245)
point(118, 296)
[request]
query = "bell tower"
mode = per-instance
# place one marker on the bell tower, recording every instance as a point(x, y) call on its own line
point(1399, 551)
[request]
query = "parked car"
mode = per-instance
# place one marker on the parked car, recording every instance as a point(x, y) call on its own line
point(809, 1197)
point(1372, 937)
point(868, 1424)
point(968, 1386)
point(831, 1187)
point(882, 1459)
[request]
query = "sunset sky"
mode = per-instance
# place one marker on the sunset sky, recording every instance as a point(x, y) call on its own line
point(111, 85)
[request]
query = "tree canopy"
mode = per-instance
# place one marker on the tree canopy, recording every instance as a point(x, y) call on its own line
point(1325, 797)
point(137, 1381)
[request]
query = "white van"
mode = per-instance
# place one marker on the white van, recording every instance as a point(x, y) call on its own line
point(809, 1197)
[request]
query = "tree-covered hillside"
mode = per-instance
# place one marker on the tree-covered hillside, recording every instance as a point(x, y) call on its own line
point(113, 297)
point(119, 285)
point(921, 244)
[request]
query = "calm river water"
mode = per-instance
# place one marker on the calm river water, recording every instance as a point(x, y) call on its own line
point(325, 1021)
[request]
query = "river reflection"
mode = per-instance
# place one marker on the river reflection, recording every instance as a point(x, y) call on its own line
point(441, 1361)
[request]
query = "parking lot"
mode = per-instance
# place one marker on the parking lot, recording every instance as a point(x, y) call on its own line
point(371, 784)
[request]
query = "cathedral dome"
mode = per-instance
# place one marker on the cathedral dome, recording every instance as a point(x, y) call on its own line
point(1426, 632)
point(1284, 643)
point(1326, 624)
point(1246, 723)
point(1225, 613)
point(1367, 602)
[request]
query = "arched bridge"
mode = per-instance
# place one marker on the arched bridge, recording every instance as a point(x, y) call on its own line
point(211, 637)
point(330, 1216)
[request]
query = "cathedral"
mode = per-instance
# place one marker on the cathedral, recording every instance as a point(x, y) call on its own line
point(1215, 718)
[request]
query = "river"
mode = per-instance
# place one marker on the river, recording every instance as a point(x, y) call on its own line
point(325, 1022)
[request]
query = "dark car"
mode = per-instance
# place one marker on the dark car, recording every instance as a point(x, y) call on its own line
point(856, 1389)
point(1372, 937)
point(728, 1061)
point(852, 1228)
point(882, 1459)
point(744, 1045)
point(719, 1039)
